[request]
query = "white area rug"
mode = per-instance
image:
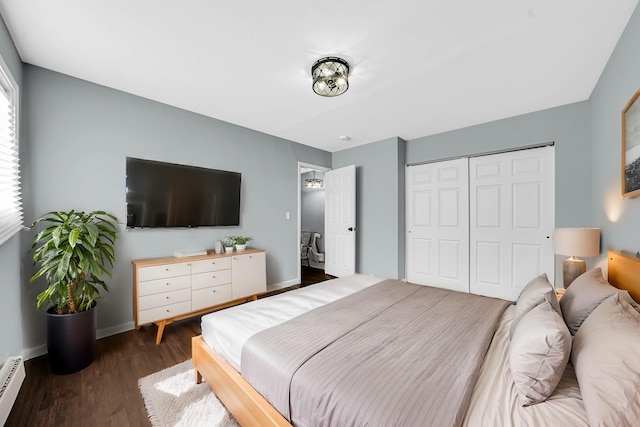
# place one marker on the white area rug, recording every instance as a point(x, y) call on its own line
point(173, 398)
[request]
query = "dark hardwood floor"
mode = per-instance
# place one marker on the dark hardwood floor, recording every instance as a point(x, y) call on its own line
point(106, 393)
point(312, 275)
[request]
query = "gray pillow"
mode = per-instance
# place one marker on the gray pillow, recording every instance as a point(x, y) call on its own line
point(538, 353)
point(535, 292)
point(606, 357)
point(583, 296)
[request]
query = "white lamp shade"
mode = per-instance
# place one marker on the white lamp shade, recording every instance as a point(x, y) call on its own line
point(578, 242)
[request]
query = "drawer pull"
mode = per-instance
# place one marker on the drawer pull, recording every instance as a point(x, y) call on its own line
point(167, 297)
point(168, 311)
point(167, 283)
point(166, 269)
point(214, 291)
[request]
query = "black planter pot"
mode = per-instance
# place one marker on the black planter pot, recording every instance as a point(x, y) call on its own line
point(71, 340)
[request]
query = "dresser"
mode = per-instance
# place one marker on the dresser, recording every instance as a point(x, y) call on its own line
point(169, 288)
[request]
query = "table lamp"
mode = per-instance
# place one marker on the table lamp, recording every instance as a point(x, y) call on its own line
point(574, 243)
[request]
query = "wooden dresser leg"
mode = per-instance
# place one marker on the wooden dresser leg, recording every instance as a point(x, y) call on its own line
point(161, 326)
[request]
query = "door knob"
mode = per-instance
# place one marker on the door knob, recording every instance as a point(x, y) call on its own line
point(350, 228)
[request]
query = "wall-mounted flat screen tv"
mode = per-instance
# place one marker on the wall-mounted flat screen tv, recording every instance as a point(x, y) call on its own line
point(169, 195)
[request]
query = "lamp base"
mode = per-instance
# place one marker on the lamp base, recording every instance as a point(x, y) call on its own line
point(571, 269)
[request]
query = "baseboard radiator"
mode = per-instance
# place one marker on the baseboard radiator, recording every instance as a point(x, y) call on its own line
point(11, 377)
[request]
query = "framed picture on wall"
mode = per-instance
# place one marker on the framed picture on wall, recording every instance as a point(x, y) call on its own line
point(631, 147)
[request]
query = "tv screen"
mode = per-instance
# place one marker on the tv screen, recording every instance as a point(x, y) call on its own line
point(169, 195)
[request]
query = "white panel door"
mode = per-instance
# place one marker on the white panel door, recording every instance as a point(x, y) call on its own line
point(340, 221)
point(437, 218)
point(512, 217)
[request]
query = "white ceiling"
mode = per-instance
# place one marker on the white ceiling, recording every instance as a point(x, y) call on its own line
point(418, 67)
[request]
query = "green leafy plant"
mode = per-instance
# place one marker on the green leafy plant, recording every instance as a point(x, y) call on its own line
point(228, 242)
point(73, 251)
point(241, 240)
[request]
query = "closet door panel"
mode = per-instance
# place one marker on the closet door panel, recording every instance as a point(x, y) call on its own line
point(512, 216)
point(437, 239)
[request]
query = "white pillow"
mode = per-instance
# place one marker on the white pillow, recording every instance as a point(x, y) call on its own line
point(606, 357)
point(538, 353)
point(583, 296)
point(535, 292)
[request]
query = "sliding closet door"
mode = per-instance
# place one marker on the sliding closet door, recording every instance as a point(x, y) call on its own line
point(512, 217)
point(438, 224)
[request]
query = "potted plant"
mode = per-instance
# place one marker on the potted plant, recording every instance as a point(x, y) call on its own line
point(228, 243)
point(72, 253)
point(241, 242)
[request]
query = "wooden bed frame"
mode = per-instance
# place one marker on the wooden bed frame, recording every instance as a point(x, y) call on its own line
point(247, 405)
point(624, 273)
point(251, 409)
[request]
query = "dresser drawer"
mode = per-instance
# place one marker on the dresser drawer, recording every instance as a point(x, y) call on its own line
point(208, 297)
point(163, 271)
point(164, 312)
point(163, 285)
point(213, 278)
point(211, 265)
point(165, 298)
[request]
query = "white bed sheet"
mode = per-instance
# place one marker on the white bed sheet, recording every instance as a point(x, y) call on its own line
point(227, 330)
point(494, 400)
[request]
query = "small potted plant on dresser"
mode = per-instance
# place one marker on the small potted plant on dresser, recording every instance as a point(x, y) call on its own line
point(73, 252)
point(241, 242)
point(228, 243)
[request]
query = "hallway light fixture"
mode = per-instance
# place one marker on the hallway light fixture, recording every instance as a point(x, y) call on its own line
point(330, 76)
point(313, 182)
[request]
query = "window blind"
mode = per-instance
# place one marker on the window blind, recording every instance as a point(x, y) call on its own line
point(10, 196)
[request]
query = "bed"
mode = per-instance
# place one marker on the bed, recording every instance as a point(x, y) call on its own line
point(488, 394)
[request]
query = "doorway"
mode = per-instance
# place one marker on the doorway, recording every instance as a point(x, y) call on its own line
point(311, 233)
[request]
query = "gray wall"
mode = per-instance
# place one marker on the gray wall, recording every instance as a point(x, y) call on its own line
point(79, 134)
point(312, 208)
point(380, 175)
point(11, 331)
point(379, 206)
point(567, 126)
point(618, 218)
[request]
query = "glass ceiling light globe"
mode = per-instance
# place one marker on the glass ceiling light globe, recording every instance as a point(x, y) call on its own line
point(330, 76)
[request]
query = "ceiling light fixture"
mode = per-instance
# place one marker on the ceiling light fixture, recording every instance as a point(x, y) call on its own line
point(313, 182)
point(330, 76)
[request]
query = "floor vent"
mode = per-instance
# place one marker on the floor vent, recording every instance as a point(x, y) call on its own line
point(11, 378)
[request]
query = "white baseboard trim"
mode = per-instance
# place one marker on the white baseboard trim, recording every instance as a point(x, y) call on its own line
point(30, 353)
point(285, 284)
point(113, 330)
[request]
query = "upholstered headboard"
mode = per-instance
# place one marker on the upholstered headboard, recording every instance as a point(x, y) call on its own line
point(624, 273)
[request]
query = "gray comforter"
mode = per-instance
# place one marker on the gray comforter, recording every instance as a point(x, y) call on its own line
point(393, 354)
